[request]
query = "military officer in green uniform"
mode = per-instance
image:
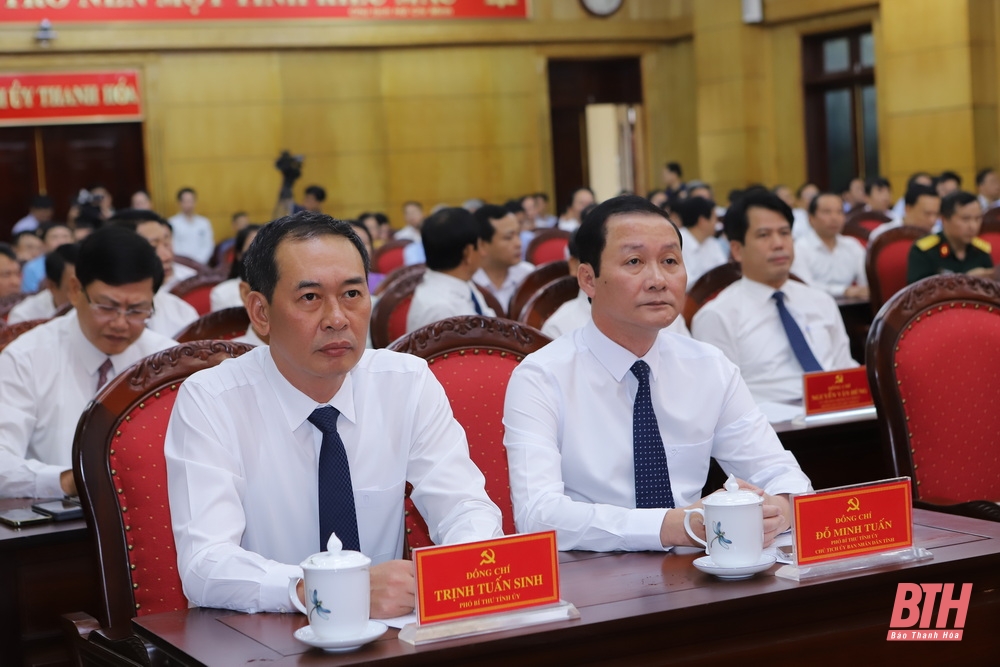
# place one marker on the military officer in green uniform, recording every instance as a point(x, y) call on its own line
point(957, 248)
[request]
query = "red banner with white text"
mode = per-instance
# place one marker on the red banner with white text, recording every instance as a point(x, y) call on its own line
point(80, 97)
point(75, 11)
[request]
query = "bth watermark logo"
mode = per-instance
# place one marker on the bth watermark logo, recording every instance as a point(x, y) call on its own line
point(914, 609)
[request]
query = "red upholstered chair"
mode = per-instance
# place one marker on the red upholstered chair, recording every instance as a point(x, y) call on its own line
point(936, 378)
point(197, 291)
point(708, 286)
point(533, 282)
point(389, 256)
point(473, 357)
point(121, 475)
point(867, 220)
point(389, 314)
point(549, 245)
point(547, 300)
point(12, 331)
point(886, 260)
point(9, 301)
point(858, 232)
point(990, 232)
point(225, 324)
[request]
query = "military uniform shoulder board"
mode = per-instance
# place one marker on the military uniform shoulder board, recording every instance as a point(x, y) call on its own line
point(928, 242)
point(982, 244)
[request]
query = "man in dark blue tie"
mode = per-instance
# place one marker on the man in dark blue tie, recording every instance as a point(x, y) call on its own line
point(772, 326)
point(453, 241)
point(269, 453)
point(610, 429)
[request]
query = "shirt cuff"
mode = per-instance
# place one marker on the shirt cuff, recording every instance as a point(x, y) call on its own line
point(274, 588)
point(47, 483)
point(642, 530)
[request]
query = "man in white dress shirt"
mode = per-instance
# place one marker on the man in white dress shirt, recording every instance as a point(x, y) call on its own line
point(49, 374)
point(827, 259)
point(502, 270)
point(60, 269)
point(921, 208)
point(701, 251)
point(749, 322)
point(413, 219)
point(194, 237)
point(451, 240)
point(581, 199)
point(577, 413)
point(172, 312)
point(246, 457)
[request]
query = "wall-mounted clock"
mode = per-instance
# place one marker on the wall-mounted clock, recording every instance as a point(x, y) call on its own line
point(602, 8)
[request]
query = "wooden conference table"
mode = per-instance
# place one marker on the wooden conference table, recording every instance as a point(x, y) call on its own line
point(45, 570)
point(647, 608)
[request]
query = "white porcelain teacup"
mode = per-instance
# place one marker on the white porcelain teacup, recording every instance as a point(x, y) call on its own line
point(734, 526)
point(337, 592)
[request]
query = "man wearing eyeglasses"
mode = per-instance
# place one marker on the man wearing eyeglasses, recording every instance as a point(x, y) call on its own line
point(49, 374)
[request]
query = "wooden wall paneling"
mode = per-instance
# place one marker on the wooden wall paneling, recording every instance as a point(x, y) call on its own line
point(926, 73)
point(18, 175)
point(222, 130)
point(671, 114)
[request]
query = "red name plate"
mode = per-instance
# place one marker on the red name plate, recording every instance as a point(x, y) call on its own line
point(486, 577)
point(856, 521)
point(75, 96)
point(66, 11)
point(833, 391)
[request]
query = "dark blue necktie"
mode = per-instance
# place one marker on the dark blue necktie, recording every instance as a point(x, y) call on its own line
point(798, 342)
point(475, 302)
point(652, 478)
point(336, 493)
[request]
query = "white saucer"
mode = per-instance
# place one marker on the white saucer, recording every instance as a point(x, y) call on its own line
point(708, 566)
point(372, 632)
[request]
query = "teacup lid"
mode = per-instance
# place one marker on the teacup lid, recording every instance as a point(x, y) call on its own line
point(335, 557)
point(733, 495)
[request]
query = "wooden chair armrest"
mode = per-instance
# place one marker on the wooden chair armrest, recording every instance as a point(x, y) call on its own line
point(99, 647)
point(976, 509)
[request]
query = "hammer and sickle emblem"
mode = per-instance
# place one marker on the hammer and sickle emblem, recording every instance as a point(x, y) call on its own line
point(839, 379)
point(488, 557)
point(853, 505)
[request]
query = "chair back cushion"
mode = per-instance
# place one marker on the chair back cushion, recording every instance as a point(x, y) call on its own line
point(990, 232)
point(473, 358)
point(886, 262)
point(389, 256)
point(121, 475)
point(936, 380)
point(549, 245)
point(197, 291)
point(397, 319)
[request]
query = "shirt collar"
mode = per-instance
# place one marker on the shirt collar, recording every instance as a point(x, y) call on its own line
point(295, 405)
point(450, 283)
point(86, 352)
point(759, 291)
point(616, 359)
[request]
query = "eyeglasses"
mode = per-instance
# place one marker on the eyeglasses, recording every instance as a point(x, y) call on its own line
point(106, 311)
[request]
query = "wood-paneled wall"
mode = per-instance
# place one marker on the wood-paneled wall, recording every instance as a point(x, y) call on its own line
point(438, 112)
point(444, 111)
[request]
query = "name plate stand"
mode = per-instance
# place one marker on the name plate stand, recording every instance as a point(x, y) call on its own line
point(471, 589)
point(837, 395)
point(852, 528)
